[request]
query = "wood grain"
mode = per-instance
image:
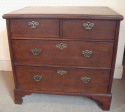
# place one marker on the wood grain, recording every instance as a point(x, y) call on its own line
point(70, 56)
point(69, 82)
point(101, 30)
point(79, 12)
point(114, 55)
point(60, 28)
point(46, 28)
point(11, 51)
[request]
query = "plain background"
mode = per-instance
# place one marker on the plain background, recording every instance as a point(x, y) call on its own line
point(10, 5)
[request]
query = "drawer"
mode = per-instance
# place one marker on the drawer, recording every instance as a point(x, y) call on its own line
point(73, 54)
point(62, 79)
point(51, 81)
point(38, 28)
point(101, 29)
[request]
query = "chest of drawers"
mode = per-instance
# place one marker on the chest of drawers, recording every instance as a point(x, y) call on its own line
point(63, 51)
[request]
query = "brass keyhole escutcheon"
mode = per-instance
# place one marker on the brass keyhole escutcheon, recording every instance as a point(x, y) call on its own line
point(61, 46)
point(61, 72)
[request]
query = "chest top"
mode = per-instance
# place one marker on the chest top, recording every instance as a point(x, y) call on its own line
point(65, 12)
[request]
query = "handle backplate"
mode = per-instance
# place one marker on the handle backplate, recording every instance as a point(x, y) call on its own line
point(33, 24)
point(37, 77)
point(36, 51)
point(88, 25)
point(85, 79)
point(87, 53)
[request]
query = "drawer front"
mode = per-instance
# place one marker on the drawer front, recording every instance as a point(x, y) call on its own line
point(86, 81)
point(100, 30)
point(29, 78)
point(73, 53)
point(62, 79)
point(38, 28)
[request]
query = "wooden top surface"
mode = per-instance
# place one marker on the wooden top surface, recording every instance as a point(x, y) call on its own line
point(65, 12)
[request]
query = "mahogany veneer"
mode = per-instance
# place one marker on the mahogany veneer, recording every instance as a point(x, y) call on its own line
point(70, 51)
point(101, 30)
point(47, 28)
point(69, 82)
point(71, 55)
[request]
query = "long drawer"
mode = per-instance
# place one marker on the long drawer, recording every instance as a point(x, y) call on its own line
point(72, 53)
point(34, 28)
point(88, 29)
point(62, 79)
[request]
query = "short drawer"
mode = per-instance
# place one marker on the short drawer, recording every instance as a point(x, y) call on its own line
point(62, 79)
point(88, 29)
point(34, 28)
point(72, 53)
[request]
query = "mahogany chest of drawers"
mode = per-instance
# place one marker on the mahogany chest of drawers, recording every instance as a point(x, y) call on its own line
point(64, 51)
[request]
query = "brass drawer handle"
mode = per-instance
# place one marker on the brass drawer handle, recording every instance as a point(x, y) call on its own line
point(61, 72)
point(88, 25)
point(85, 79)
point(87, 53)
point(36, 51)
point(37, 77)
point(61, 46)
point(33, 24)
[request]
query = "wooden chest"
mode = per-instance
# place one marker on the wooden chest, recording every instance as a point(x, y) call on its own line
point(64, 51)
